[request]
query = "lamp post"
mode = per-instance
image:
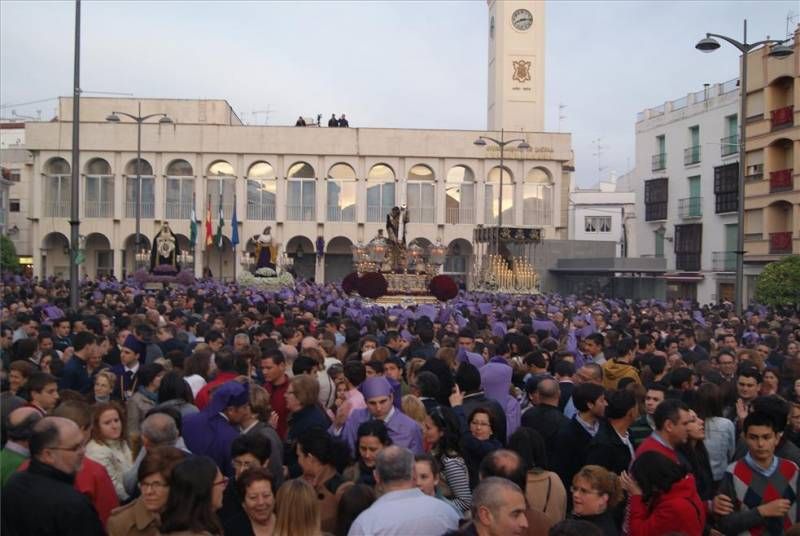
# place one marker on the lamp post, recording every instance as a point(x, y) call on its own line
point(74, 213)
point(165, 120)
point(778, 50)
point(502, 142)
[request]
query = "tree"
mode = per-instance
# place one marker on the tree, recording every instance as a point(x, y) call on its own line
point(779, 283)
point(8, 255)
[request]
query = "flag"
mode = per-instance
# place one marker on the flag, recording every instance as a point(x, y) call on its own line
point(209, 230)
point(220, 225)
point(234, 226)
point(193, 228)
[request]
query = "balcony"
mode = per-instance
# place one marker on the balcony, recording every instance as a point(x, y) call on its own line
point(147, 210)
point(539, 216)
point(688, 262)
point(781, 180)
point(377, 214)
point(691, 155)
point(422, 214)
point(300, 213)
point(346, 214)
point(729, 145)
point(178, 211)
point(723, 261)
point(57, 210)
point(782, 117)
point(659, 162)
point(456, 215)
point(690, 207)
point(780, 243)
point(754, 172)
point(261, 212)
point(99, 209)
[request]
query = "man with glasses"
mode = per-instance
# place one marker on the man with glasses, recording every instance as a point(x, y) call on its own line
point(42, 499)
point(726, 364)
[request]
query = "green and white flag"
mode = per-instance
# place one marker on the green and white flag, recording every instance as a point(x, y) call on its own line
point(220, 225)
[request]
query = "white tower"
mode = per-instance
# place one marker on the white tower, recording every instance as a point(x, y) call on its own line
point(516, 65)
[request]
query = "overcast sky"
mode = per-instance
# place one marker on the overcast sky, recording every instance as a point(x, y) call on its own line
point(384, 64)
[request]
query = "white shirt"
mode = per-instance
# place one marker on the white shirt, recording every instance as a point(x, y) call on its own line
point(405, 512)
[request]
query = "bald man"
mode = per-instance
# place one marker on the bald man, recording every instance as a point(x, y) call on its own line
point(19, 428)
point(42, 499)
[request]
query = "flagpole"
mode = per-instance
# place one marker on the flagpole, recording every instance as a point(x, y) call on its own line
point(221, 243)
point(234, 224)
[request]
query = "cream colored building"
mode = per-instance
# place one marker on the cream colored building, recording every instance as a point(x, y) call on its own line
point(772, 175)
point(305, 183)
point(320, 189)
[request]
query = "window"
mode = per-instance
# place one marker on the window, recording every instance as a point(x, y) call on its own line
point(380, 192)
point(180, 190)
point(13, 175)
point(597, 224)
point(341, 193)
point(655, 199)
point(726, 188)
point(221, 186)
point(99, 194)
point(144, 170)
point(261, 192)
point(421, 194)
point(13, 205)
point(688, 246)
point(492, 196)
point(538, 194)
point(459, 200)
point(302, 193)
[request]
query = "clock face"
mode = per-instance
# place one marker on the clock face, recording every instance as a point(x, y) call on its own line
point(522, 19)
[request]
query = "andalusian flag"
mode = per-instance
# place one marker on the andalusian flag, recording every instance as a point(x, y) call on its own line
point(220, 225)
point(193, 228)
point(209, 230)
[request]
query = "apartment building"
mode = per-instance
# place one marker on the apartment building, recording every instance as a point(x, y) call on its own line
point(772, 176)
point(686, 185)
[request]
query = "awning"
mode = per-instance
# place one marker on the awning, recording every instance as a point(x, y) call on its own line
point(684, 276)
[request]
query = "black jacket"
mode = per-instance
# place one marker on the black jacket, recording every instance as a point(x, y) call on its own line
point(42, 501)
point(573, 443)
point(607, 450)
point(547, 420)
point(479, 399)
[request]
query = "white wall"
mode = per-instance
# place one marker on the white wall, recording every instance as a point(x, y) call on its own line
point(674, 124)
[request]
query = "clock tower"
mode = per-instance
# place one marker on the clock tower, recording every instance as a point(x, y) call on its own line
point(516, 65)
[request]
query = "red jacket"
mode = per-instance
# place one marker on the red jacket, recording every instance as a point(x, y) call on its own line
point(93, 481)
point(277, 400)
point(652, 444)
point(678, 510)
point(204, 394)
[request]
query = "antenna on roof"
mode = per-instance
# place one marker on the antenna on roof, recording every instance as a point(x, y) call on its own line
point(790, 18)
point(265, 112)
point(561, 114)
point(599, 154)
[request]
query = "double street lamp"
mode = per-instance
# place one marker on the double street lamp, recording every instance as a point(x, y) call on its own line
point(139, 119)
point(502, 142)
point(777, 50)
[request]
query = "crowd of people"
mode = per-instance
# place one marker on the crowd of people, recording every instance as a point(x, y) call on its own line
point(219, 410)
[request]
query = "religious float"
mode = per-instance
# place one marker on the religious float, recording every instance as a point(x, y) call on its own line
point(168, 264)
point(502, 260)
point(391, 272)
point(266, 270)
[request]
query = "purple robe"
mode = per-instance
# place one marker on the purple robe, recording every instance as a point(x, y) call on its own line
point(209, 433)
point(403, 430)
point(496, 381)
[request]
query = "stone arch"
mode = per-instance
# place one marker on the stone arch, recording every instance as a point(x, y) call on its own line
point(97, 166)
point(55, 255)
point(57, 166)
point(381, 173)
point(338, 259)
point(301, 170)
point(179, 168)
point(146, 169)
point(301, 250)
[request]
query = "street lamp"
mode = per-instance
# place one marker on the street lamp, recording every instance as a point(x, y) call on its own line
point(164, 120)
point(502, 142)
point(778, 50)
